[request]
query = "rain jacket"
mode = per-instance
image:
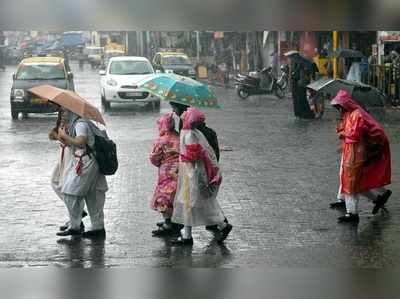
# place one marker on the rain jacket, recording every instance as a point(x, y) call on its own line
point(199, 176)
point(165, 156)
point(365, 148)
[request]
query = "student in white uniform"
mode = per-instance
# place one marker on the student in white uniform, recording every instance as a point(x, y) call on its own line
point(83, 180)
point(64, 157)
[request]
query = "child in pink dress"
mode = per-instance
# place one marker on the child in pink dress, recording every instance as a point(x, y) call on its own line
point(165, 156)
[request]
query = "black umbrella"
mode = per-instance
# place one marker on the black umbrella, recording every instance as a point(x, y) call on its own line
point(296, 56)
point(365, 95)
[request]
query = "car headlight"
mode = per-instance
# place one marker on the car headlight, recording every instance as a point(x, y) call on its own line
point(19, 93)
point(169, 71)
point(112, 82)
point(192, 72)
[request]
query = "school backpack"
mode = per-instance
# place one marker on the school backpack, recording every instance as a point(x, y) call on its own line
point(105, 151)
point(211, 137)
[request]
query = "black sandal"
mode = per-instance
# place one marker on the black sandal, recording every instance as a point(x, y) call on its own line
point(180, 241)
point(162, 231)
point(161, 223)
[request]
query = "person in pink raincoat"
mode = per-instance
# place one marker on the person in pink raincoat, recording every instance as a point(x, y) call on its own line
point(165, 156)
point(366, 166)
point(199, 179)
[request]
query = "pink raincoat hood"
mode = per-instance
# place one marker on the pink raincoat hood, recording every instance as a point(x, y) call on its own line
point(192, 116)
point(165, 123)
point(344, 100)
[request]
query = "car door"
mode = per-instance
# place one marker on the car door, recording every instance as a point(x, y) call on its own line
point(103, 78)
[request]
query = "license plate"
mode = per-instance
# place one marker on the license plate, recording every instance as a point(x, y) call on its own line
point(133, 94)
point(38, 101)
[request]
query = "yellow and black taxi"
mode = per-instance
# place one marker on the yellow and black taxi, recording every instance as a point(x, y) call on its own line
point(174, 62)
point(34, 71)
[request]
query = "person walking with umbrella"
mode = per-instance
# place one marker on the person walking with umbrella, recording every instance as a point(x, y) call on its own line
point(182, 93)
point(301, 74)
point(83, 181)
point(365, 167)
point(64, 158)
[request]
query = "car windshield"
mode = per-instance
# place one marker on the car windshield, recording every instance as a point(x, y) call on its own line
point(130, 67)
point(175, 60)
point(40, 72)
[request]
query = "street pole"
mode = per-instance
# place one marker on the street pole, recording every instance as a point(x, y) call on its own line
point(126, 43)
point(335, 41)
point(198, 46)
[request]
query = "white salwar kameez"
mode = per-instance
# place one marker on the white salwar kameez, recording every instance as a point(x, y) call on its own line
point(89, 185)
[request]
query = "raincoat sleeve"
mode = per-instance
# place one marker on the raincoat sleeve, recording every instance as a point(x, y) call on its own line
point(156, 154)
point(356, 128)
point(340, 130)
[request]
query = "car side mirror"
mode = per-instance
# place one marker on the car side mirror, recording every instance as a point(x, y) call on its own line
point(102, 72)
point(14, 76)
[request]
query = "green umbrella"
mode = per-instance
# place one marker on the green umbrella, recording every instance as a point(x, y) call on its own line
point(179, 89)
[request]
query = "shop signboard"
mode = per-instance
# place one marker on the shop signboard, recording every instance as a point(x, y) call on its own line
point(218, 34)
point(389, 36)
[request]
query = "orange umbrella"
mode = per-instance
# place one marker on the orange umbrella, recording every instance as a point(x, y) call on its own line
point(68, 99)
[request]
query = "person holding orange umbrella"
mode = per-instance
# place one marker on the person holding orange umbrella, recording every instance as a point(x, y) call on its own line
point(64, 158)
point(83, 181)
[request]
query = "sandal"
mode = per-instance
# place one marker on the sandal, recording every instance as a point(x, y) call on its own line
point(163, 231)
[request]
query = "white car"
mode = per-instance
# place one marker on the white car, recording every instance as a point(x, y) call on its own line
point(119, 82)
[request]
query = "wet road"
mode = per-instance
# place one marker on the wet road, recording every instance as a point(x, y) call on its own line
point(279, 176)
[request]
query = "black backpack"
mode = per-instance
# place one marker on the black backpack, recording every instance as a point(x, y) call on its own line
point(105, 151)
point(211, 137)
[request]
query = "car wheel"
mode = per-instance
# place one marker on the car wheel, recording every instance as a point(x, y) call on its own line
point(14, 113)
point(157, 105)
point(242, 93)
point(106, 105)
point(149, 105)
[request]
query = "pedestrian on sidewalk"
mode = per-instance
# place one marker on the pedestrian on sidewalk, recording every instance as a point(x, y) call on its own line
point(83, 181)
point(64, 158)
point(366, 166)
point(165, 156)
point(199, 178)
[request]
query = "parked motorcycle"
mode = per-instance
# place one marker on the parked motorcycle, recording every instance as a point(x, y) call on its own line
point(283, 79)
point(247, 85)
